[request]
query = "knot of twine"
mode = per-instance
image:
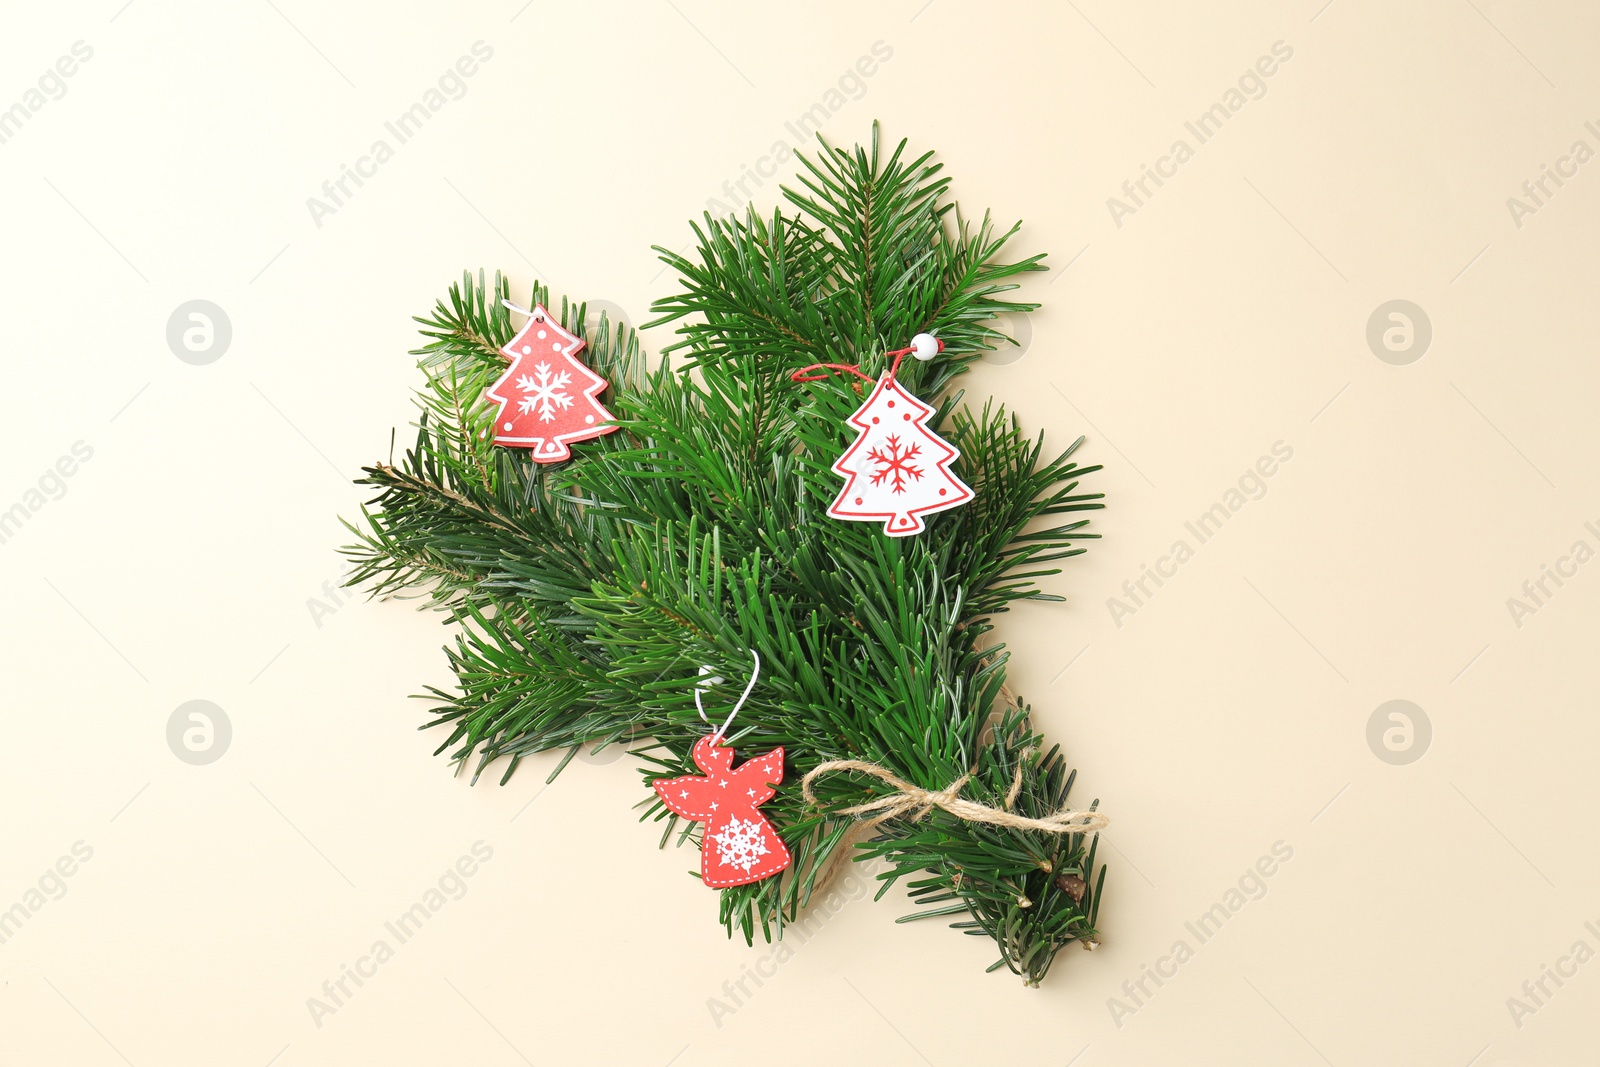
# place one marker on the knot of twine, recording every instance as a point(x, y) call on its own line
point(918, 802)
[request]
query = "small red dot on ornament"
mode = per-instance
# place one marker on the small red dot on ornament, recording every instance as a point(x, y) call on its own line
point(943, 491)
point(858, 500)
point(891, 403)
point(906, 416)
point(874, 420)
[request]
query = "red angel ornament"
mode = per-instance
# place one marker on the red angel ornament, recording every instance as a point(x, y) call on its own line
point(897, 470)
point(546, 396)
point(738, 844)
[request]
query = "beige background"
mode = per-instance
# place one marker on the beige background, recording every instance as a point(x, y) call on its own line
point(1228, 713)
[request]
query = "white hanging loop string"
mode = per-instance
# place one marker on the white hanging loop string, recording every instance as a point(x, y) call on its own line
point(515, 307)
point(698, 689)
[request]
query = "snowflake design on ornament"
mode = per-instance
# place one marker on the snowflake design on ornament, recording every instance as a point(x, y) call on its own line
point(546, 392)
point(895, 463)
point(741, 844)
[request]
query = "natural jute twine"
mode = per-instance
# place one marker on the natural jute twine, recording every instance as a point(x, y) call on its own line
point(917, 802)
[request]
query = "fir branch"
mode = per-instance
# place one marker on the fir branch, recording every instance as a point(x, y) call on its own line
point(589, 594)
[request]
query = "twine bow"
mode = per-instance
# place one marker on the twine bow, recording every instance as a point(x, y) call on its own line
point(918, 802)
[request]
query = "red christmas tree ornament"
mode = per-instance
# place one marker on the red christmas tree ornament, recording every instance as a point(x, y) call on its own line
point(897, 470)
point(546, 396)
point(738, 845)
